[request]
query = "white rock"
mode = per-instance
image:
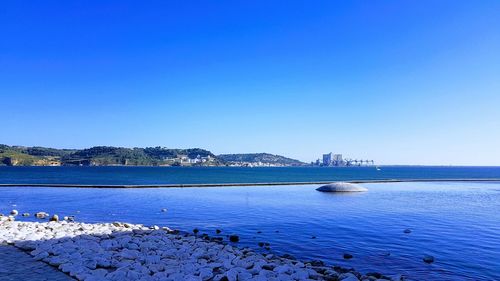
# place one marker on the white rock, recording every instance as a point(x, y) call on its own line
point(348, 277)
point(83, 250)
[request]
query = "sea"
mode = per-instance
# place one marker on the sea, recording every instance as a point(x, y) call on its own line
point(458, 223)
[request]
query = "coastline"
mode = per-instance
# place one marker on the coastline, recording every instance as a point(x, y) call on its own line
point(123, 251)
point(188, 185)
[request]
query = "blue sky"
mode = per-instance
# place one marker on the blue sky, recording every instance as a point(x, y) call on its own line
point(400, 82)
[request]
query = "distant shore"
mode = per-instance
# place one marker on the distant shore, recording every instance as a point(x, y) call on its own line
point(188, 185)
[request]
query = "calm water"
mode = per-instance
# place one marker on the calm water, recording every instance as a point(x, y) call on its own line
point(174, 175)
point(458, 223)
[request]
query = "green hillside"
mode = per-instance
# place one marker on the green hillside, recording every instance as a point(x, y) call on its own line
point(105, 156)
point(265, 158)
point(149, 156)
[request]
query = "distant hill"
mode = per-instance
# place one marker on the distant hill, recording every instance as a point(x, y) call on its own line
point(31, 156)
point(105, 156)
point(149, 156)
point(265, 158)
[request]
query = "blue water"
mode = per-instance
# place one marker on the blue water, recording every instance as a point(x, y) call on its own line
point(457, 223)
point(177, 175)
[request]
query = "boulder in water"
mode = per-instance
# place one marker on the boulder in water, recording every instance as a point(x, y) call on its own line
point(341, 187)
point(428, 259)
point(41, 215)
point(234, 238)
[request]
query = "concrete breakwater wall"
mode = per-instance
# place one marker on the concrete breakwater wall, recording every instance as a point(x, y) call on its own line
point(70, 185)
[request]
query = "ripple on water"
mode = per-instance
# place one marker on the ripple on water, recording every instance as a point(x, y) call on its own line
point(456, 223)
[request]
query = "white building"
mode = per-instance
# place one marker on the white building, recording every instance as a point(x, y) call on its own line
point(337, 160)
point(327, 159)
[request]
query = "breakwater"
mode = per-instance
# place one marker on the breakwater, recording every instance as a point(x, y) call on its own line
point(238, 184)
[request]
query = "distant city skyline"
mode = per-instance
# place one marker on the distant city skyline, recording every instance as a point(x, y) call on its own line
point(399, 82)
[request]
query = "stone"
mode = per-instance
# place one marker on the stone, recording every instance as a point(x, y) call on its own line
point(341, 187)
point(69, 218)
point(374, 274)
point(206, 273)
point(347, 256)
point(41, 215)
point(14, 212)
point(348, 277)
point(54, 218)
point(407, 231)
point(428, 259)
point(123, 251)
point(26, 214)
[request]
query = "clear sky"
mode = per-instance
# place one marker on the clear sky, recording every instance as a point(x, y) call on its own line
point(400, 82)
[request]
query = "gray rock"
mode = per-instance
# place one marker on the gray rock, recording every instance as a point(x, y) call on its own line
point(341, 187)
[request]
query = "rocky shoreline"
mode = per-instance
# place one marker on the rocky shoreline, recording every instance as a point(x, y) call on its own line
point(123, 251)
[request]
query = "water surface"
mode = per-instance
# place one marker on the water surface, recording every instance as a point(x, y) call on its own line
point(185, 175)
point(458, 223)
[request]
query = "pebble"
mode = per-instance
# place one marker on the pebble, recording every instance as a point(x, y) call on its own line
point(428, 259)
point(348, 277)
point(124, 251)
point(14, 212)
point(234, 238)
point(54, 218)
point(347, 256)
point(41, 215)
